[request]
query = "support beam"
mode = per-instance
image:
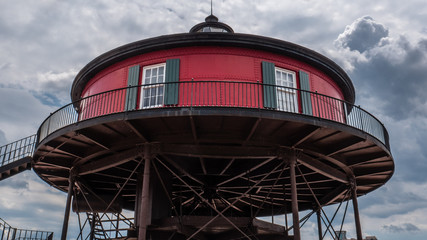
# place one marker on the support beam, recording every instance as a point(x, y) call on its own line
point(136, 131)
point(310, 131)
point(251, 133)
point(319, 224)
point(295, 214)
point(92, 139)
point(332, 196)
point(145, 209)
point(68, 207)
point(108, 162)
point(356, 212)
point(92, 227)
point(219, 151)
point(324, 169)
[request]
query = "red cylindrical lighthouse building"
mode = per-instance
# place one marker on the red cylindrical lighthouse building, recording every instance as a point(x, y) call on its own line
point(200, 133)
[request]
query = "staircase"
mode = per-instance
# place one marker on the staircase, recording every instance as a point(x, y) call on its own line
point(16, 157)
point(9, 233)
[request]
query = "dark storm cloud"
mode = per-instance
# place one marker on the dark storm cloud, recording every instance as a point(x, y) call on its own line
point(397, 80)
point(21, 113)
point(386, 203)
point(406, 227)
point(362, 35)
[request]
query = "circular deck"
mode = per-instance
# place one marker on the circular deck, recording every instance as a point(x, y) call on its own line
point(231, 156)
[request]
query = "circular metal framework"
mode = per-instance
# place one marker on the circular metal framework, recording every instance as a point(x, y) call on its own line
point(228, 162)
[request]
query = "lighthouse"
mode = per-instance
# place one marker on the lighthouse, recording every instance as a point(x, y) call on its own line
point(201, 134)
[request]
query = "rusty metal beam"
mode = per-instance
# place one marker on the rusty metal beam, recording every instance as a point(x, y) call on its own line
point(108, 162)
point(92, 139)
point(67, 207)
point(356, 212)
point(144, 216)
point(322, 168)
point(251, 133)
point(206, 202)
point(333, 195)
point(136, 131)
point(294, 196)
point(344, 145)
point(245, 172)
point(182, 170)
point(307, 134)
point(218, 151)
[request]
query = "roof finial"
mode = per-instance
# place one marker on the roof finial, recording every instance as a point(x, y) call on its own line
point(211, 8)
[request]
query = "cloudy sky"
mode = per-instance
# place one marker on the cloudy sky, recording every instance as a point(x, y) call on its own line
point(381, 44)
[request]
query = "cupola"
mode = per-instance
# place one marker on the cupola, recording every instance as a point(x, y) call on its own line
point(211, 24)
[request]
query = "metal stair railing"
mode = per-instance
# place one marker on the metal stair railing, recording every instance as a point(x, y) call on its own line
point(105, 226)
point(17, 150)
point(8, 232)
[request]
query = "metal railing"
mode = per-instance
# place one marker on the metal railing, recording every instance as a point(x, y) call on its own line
point(17, 150)
point(216, 94)
point(105, 226)
point(9, 233)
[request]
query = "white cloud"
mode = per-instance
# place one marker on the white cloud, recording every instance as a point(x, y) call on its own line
point(363, 34)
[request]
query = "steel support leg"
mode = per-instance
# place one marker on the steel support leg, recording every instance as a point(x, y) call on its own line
point(356, 213)
point(319, 224)
point(144, 216)
point(67, 207)
point(92, 227)
point(295, 214)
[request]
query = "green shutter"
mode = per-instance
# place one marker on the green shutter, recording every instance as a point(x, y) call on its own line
point(132, 93)
point(171, 82)
point(269, 83)
point(304, 82)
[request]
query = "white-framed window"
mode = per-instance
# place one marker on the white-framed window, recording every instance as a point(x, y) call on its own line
point(153, 79)
point(286, 94)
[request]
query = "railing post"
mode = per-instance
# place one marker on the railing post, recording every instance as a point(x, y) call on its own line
point(360, 117)
point(14, 233)
point(8, 232)
point(191, 95)
point(3, 228)
point(48, 125)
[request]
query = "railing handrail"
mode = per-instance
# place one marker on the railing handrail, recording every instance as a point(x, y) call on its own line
point(17, 150)
point(365, 121)
point(13, 233)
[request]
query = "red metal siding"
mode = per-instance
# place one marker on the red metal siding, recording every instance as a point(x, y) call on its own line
point(225, 64)
point(104, 103)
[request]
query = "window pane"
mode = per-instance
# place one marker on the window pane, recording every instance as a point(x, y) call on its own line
point(153, 94)
point(286, 97)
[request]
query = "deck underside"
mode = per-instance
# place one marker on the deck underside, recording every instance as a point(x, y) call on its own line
point(236, 159)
